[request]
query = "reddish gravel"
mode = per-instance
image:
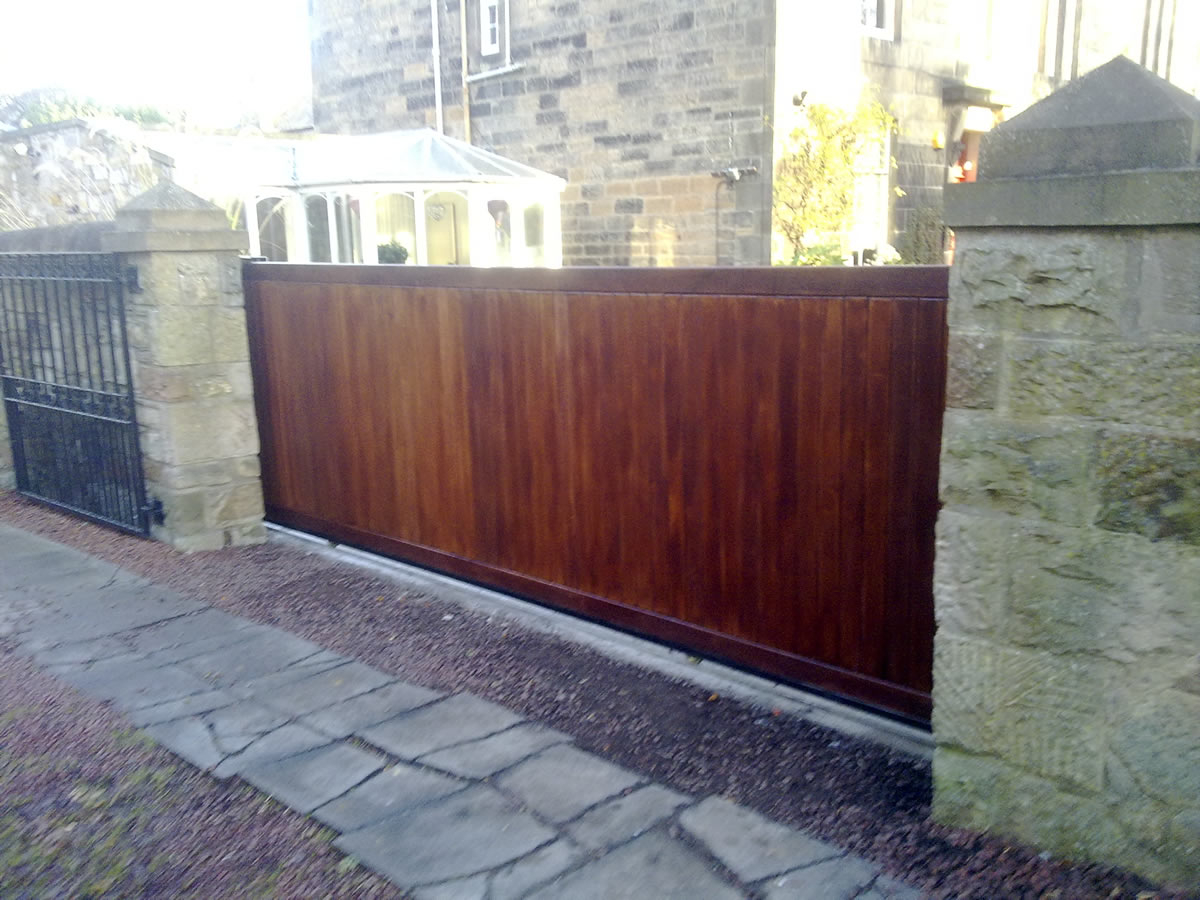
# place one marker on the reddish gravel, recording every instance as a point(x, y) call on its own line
point(859, 795)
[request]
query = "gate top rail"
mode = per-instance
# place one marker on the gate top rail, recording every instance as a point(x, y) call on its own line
point(101, 267)
point(917, 282)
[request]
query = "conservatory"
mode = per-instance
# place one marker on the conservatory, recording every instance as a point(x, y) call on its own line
point(401, 196)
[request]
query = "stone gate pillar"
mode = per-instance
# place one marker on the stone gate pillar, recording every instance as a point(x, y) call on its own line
point(1067, 662)
point(191, 361)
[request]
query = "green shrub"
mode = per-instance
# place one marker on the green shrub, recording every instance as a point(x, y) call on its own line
point(393, 252)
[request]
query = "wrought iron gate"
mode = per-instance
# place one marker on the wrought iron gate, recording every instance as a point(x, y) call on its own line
point(67, 385)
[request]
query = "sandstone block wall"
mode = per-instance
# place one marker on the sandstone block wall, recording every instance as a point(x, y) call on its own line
point(1067, 674)
point(635, 105)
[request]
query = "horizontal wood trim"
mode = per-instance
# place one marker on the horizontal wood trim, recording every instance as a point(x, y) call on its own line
point(926, 282)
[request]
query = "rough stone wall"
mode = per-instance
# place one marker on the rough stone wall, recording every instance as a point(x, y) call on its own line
point(1067, 680)
point(634, 104)
point(187, 335)
point(71, 172)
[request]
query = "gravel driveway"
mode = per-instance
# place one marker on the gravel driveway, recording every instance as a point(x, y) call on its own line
point(867, 798)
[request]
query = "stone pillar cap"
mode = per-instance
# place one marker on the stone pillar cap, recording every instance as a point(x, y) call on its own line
point(1119, 117)
point(167, 195)
point(168, 206)
point(170, 218)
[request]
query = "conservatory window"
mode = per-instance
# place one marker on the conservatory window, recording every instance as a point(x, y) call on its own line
point(396, 228)
point(535, 234)
point(447, 237)
point(272, 229)
point(349, 232)
point(502, 217)
point(316, 213)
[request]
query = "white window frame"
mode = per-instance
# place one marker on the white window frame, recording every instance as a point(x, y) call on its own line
point(489, 27)
point(885, 29)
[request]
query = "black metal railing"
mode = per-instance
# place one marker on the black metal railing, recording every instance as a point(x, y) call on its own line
point(68, 386)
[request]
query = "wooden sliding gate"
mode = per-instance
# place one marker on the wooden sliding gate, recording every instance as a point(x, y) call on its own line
point(742, 462)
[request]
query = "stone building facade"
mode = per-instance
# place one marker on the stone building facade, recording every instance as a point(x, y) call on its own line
point(666, 118)
point(635, 104)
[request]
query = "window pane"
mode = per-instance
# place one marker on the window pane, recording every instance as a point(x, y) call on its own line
point(272, 229)
point(236, 214)
point(316, 211)
point(535, 237)
point(502, 217)
point(396, 228)
point(875, 13)
point(489, 27)
point(871, 195)
point(446, 233)
point(349, 232)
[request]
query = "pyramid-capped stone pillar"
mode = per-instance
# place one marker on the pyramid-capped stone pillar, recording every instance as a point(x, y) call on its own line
point(1067, 586)
point(187, 334)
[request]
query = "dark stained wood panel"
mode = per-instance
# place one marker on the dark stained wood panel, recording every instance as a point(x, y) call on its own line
point(743, 463)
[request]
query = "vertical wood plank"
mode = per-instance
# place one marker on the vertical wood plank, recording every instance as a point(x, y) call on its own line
point(828, 467)
point(915, 657)
point(805, 545)
point(852, 511)
point(879, 488)
point(774, 442)
point(902, 523)
point(702, 423)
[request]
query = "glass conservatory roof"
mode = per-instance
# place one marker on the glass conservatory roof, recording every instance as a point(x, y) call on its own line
point(419, 156)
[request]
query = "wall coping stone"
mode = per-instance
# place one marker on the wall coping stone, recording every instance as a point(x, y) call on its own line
point(184, 241)
point(80, 237)
point(1112, 199)
point(172, 220)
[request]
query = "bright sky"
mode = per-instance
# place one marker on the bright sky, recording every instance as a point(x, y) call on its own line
point(214, 58)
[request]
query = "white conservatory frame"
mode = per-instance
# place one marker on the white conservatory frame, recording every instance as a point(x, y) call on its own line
point(481, 225)
point(242, 172)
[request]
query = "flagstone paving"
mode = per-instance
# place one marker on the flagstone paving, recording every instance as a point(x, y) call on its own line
point(449, 796)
